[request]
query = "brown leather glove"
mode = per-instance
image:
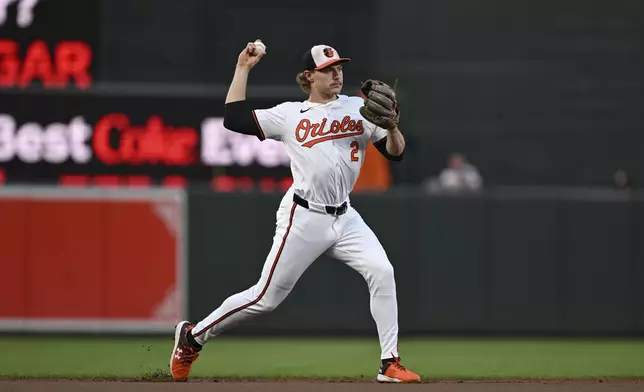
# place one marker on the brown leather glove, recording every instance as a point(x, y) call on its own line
point(380, 105)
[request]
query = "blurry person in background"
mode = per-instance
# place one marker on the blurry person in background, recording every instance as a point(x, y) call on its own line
point(621, 181)
point(458, 177)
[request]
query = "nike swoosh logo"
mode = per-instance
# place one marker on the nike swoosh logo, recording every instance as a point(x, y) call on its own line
point(303, 110)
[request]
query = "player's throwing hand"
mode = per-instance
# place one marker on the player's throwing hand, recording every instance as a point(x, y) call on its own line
point(252, 53)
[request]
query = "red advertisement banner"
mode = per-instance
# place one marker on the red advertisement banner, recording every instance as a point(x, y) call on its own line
point(91, 260)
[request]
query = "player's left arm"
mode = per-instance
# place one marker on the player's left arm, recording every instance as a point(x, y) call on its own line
point(391, 145)
point(395, 142)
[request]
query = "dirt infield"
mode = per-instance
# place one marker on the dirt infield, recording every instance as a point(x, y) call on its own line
point(298, 386)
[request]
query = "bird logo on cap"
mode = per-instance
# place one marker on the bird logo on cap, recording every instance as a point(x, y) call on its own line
point(328, 52)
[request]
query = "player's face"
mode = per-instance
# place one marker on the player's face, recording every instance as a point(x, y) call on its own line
point(329, 80)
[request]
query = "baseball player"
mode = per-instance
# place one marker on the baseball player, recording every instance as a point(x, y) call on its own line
point(326, 137)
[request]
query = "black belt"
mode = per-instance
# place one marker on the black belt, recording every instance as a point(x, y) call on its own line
point(329, 209)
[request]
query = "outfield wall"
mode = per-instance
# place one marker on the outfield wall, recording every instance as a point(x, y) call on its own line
point(502, 262)
point(546, 262)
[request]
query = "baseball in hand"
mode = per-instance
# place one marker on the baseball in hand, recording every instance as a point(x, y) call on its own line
point(260, 48)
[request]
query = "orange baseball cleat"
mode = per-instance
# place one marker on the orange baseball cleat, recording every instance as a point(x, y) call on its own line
point(393, 371)
point(184, 354)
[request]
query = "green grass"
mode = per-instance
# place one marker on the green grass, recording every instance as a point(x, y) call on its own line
point(231, 358)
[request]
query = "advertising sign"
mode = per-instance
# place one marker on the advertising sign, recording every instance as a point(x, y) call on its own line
point(48, 43)
point(86, 260)
point(85, 139)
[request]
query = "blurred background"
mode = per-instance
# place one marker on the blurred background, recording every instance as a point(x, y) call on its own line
point(125, 205)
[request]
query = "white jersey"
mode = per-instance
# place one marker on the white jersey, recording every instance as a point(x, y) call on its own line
point(325, 142)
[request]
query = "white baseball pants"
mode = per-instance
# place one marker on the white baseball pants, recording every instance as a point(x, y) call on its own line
point(301, 236)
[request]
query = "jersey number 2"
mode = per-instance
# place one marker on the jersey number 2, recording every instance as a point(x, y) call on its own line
point(355, 149)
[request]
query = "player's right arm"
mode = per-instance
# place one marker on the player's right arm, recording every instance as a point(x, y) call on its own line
point(239, 116)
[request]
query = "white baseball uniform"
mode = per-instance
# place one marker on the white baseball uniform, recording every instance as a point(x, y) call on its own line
point(326, 144)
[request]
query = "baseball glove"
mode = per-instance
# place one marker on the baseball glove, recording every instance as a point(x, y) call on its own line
point(380, 105)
